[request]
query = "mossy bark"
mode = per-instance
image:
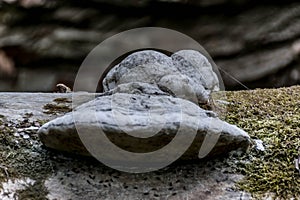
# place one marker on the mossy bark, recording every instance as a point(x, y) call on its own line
point(271, 115)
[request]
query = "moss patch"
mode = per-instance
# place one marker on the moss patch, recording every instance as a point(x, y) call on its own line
point(21, 153)
point(272, 116)
point(23, 156)
point(61, 105)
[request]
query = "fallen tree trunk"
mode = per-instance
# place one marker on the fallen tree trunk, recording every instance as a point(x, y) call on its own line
point(28, 170)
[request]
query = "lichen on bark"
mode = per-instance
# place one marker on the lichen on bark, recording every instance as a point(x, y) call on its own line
point(272, 116)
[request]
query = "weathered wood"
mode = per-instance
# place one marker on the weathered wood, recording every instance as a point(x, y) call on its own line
point(14, 106)
point(33, 170)
point(272, 115)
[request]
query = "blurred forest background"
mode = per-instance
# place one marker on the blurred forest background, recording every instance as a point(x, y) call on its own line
point(43, 42)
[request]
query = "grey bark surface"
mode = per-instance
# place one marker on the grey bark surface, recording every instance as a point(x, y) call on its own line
point(35, 172)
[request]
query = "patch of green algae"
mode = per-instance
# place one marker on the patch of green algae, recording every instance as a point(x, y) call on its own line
point(58, 107)
point(20, 157)
point(273, 116)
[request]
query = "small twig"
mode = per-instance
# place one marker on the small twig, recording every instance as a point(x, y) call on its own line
point(5, 171)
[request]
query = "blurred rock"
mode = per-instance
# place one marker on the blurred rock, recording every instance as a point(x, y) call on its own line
point(257, 65)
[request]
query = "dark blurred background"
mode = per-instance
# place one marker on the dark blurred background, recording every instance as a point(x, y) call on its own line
point(43, 42)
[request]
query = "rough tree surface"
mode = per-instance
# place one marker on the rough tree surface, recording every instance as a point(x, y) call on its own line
point(28, 170)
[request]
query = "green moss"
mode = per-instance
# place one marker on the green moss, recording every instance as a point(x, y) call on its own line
point(5, 140)
point(274, 117)
point(56, 108)
point(19, 158)
point(42, 122)
point(60, 105)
